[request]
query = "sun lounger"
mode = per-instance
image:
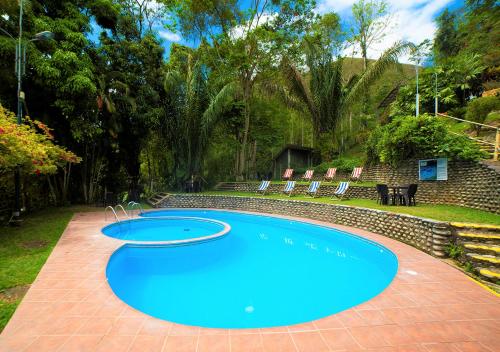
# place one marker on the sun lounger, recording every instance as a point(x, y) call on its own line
point(356, 173)
point(287, 175)
point(341, 190)
point(289, 187)
point(330, 174)
point(313, 188)
point(263, 187)
point(308, 175)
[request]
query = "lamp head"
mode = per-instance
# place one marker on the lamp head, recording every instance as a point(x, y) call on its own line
point(45, 35)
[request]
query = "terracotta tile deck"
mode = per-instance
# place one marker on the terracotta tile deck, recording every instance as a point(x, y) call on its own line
point(430, 306)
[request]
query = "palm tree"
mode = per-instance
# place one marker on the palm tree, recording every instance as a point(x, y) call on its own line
point(323, 91)
point(192, 111)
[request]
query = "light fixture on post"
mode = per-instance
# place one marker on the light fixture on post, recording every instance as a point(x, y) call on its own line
point(20, 70)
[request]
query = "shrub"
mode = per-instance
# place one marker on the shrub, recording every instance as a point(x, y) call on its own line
point(479, 108)
point(454, 251)
point(409, 137)
point(30, 145)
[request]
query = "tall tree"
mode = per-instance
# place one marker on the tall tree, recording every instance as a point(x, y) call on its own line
point(370, 23)
point(192, 111)
point(243, 42)
point(60, 76)
point(326, 95)
point(446, 42)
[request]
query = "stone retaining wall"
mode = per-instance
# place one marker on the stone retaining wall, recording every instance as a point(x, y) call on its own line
point(469, 184)
point(427, 235)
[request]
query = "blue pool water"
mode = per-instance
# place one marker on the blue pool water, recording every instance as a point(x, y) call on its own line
point(266, 272)
point(158, 229)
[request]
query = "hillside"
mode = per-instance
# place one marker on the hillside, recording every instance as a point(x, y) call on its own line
point(383, 86)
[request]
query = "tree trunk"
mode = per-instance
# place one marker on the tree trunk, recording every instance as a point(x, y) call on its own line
point(244, 142)
point(364, 53)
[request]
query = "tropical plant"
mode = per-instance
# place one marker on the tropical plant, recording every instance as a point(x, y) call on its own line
point(327, 97)
point(408, 137)
point(465, 70)
point(192, 111)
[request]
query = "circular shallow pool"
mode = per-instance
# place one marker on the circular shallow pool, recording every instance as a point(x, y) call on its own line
point(267, 272)
point(166, 230)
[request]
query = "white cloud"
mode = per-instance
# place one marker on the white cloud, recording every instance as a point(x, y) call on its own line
point(239, 31)
point(170, 36)
point(411, 20)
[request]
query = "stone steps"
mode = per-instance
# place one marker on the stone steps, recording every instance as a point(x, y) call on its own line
point(225, 186)
point(488, 260)
point(480, 245)
point(481, 227)
point(490, 273)
point(156, 199)
point(482, 248)
point(479, 237)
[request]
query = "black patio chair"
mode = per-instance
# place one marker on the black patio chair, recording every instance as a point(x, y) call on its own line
point(407, 195)
point(382, 194)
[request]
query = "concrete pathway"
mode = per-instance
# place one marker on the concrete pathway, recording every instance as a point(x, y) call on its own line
point(430, 306)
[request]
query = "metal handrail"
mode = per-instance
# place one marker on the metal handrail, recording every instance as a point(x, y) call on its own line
point(114, 212)
point(131, 205)
point(496, 145)
point(475, 139)
point(468, 121)
point(138, 205)
point(123, 209)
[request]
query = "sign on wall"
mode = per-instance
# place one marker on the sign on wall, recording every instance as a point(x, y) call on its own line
point(433, 169)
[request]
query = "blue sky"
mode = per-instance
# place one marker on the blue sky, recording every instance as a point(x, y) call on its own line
point(411, 20)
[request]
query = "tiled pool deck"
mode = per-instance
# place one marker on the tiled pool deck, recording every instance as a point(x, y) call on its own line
point(430, 306)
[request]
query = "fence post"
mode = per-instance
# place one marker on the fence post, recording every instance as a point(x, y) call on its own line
point(497, 145)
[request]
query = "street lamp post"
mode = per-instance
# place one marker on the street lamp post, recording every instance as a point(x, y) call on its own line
point(435, 93)
point(417, 97)
point(20, 70)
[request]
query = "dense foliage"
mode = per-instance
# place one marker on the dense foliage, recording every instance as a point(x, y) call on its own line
point(31, 146)
point(256, 75)
point(425, 136)
point(478, 109)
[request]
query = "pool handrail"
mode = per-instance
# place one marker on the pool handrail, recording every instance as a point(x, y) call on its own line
point(131, 205)
point(114, 212)
point(123, 209)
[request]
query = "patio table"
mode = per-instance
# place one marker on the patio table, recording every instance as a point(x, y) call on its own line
point(396, 191)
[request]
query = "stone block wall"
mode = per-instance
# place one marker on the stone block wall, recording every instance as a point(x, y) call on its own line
point(469, 184)
point(427, 235)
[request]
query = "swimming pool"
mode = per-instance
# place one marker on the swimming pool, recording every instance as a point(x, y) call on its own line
point(266, 272)
point(167, 230)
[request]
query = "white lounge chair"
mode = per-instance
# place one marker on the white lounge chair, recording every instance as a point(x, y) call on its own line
point(289, 187)
point(264, 185)
point(313, 188)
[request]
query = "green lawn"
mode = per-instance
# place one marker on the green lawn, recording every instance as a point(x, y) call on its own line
point(24, 250)
point(431, 211)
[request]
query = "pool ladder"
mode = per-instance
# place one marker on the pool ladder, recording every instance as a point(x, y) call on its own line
point(131, 205)
point(128, 215)
point(118, 206)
